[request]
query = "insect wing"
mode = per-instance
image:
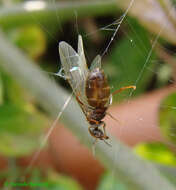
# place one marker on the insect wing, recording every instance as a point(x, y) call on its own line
point(82, 56)
point(74, 70)
point(96, 63)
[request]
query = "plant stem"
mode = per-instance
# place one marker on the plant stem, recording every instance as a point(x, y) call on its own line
point(44, 13)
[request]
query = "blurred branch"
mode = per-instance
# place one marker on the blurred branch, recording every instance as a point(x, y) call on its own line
point(150, 13)
point(136, 173)
point(42, 12)
point(168, 171)
point(154, 15)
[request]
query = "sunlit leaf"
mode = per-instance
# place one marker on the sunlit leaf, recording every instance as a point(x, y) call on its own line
point(20, 130)
point(156, 152)
point(167, 117)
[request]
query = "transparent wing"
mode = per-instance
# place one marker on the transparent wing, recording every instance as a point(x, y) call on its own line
point(75, 70)
point(96, 63)
point(81, 54)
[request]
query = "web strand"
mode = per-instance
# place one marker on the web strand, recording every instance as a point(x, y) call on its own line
point(150, 52)
point(117, 29)
point(44, 141)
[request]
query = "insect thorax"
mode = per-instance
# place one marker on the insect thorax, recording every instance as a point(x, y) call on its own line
point(97, 115)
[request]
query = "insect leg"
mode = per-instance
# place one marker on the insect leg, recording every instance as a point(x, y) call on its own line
point(79, 101)
point(122, 89)
point(105, 136)
point(81, 105)
point(104, 126)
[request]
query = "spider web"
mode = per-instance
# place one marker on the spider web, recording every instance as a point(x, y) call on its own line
point(113, 28)
point(117, 23)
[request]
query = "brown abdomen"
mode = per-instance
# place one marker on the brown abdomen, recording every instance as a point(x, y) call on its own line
point(97, 89)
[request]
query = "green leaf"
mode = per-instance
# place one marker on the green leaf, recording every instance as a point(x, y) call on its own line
point(109, 182)
point(167, 117)
point(20, 130)
point(29, 38)
point(13, 93)
point(156, 152)
point(127, 61)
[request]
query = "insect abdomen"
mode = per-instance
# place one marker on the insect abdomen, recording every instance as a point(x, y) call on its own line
point(97, 89)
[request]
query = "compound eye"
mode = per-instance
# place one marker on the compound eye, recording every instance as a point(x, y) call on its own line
point(98, 133)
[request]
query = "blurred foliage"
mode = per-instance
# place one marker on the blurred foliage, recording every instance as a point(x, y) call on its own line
point(30, 38)
point(21, 125)
point(40, 180)
point(167, 119)
point(110, 182)
point(20, 130)
point(52, 181)
point(164, 74)
point(174, 2)
point(156, 152)
point(60, 182)
point(12, 92)
point(1, 90)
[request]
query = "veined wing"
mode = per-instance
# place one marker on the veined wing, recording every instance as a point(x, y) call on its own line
point(96, 63)
point(82, 55)
point(75, 69)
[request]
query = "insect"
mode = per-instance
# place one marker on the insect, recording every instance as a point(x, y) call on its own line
point(90, 86)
